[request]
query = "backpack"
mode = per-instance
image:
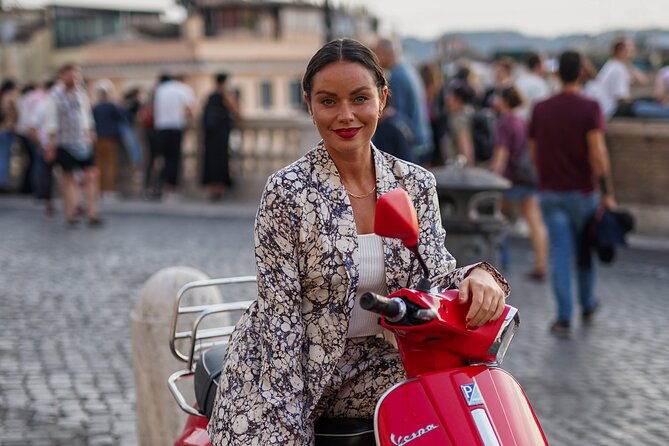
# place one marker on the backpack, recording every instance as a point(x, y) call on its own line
point(483, 134)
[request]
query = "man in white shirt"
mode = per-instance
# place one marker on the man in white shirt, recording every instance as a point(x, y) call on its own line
point(616, 77)
point(173, 106)
point(532, 85)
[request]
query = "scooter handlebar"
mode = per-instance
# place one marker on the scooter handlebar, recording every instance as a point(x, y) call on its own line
point(389, 308)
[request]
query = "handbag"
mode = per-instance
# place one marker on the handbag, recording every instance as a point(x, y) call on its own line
point(522, 170)
point(145, 116)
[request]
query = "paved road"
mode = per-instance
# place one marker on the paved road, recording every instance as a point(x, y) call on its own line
point(65, 354)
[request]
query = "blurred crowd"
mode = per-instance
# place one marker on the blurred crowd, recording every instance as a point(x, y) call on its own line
point(461, 101)
point(435, 115)
point(85, 139)
point(483, 119)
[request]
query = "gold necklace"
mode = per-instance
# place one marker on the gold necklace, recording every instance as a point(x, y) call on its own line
point(363, 195)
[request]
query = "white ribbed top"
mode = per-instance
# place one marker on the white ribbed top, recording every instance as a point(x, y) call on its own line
point(372, 278)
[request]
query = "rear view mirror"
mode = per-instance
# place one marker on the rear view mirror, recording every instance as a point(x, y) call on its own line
point(395, 217)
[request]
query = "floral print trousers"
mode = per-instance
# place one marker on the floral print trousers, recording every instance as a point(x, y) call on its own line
point(368, 368)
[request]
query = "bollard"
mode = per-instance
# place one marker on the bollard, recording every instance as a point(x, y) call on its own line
point(159, 419)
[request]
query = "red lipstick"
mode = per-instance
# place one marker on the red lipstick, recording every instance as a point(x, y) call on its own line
point(347, 133)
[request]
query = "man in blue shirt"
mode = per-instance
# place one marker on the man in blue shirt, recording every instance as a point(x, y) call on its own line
point(109, 117)
point(408, 95)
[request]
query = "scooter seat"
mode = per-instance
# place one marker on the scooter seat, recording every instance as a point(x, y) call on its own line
point(329, 431)
point(207, 372)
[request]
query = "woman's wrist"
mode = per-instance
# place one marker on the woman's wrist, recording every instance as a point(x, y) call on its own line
point(496, 275)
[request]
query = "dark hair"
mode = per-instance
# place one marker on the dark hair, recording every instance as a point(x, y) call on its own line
point(164, 77)
point(131, 93)
point(462, 73)
point(221, 78)
point(7, 85)
point(532, 60)
point(505, 62)
point(347, 50)
point(461, 90)
point(27, 88)
point(67, 67)
point(618, 45)
point(512, 97)
point(570, 67)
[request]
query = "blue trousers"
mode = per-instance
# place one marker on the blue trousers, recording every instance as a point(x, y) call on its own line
point(565, 215)
point(6, 140)
point(648, 109)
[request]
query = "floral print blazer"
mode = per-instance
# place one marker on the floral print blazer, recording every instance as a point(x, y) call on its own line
point(286, 346)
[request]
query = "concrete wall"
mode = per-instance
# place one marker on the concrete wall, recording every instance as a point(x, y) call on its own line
point(27, 61)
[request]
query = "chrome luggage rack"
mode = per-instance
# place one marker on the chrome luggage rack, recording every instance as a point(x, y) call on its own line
point(200, 339)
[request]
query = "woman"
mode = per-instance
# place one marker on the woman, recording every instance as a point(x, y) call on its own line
point(9, 96)
point(218, 118)
point(459, 143)
point(304, 349)
point(510, 159)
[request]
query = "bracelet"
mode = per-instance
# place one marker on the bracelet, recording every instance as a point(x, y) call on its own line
point(603, 185)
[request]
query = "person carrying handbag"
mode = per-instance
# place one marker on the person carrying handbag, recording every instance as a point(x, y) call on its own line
point(511, 160)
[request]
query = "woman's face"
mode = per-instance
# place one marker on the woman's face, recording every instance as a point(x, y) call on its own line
point(346, 106)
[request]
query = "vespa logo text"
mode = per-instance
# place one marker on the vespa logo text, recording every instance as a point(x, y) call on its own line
point(402, 440)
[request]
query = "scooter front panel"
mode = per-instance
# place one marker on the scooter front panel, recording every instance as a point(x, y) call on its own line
point(509, 408)
point(405, 416)
point(483, 406)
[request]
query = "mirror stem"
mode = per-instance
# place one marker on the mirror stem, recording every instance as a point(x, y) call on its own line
point(424, 284)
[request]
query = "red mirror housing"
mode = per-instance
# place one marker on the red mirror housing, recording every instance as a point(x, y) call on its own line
point(395, 217)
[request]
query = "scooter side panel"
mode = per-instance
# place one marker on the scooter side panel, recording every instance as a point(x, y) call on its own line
point(485, 405)
point(194, 433)
point(405, 415)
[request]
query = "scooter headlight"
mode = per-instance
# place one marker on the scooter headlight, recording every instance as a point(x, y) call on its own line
point(504, 336)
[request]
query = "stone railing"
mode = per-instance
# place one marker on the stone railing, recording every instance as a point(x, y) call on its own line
point(263, 146)
point(258, 147)
point(639, 151)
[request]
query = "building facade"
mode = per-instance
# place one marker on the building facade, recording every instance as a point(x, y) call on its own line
point(263, 45)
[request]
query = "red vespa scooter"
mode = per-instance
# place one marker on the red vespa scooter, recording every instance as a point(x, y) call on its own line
point(455, 393)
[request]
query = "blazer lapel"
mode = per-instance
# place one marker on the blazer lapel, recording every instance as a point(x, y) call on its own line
point(342, 230)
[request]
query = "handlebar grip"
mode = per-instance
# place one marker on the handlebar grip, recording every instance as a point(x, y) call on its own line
point(381, 305)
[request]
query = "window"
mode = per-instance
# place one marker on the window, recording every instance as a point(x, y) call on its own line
point(295, 92)
point(266, 94)
point(74, 27)
point(231, 21)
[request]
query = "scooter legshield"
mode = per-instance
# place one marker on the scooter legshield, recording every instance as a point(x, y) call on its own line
point(194, 433)
point(474, 406)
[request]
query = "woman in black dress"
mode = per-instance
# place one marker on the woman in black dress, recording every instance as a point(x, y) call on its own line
point(218, 118)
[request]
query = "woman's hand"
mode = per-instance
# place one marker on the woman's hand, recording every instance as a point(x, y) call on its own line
point(486, 296)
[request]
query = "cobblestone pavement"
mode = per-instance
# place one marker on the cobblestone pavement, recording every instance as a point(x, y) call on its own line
point(65, 354)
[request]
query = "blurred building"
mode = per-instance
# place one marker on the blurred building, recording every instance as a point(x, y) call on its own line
point(264, 45)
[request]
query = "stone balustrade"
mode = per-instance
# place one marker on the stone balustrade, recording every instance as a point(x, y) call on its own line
point(639, 152)
point(258, 147)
